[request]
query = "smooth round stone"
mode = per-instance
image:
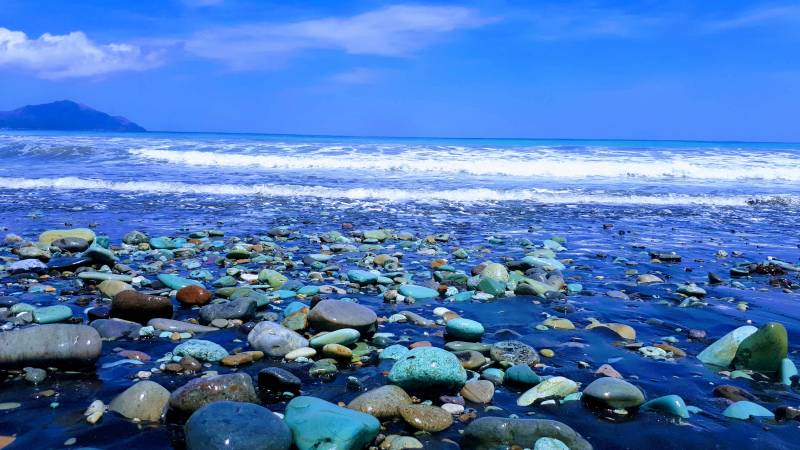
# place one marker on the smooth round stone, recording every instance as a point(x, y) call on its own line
point(116, 328)
point(453, 408)
point(495, 271)
point(193, 295)
point(559, 323)
point(522, 374)
point(763, 350)
point(52, 344)
point(201, 349)
point(344, 336)
point(744, 410)
point(395, 352)
point(316, 424)
point(470, 359)
point(52, 314)
point(101, 276)
point(179, 326)
point(426, 418)
point(722, 351)
point(613, 393)
point(27, 265)
point(491, 433)
point(62, 263)
point(198, 392)
point(383, 402)
point(428, 368)
point(274, 339)
point(242, 308)
point(555, 387)
point(175, 282)
point(234, 425)
point(361, 276)
point(478, 391)
point(70, 244)
point(494, 375)
point(274, 380)
point(672, 405)
point(418, 292)
point(138, 307)
point(275, 279)
point(509, 353)
point(144, 400)
point(787, 372)
point(100, 255)
point(113, 287)
point(546, 443)
point(466, 329)
point(397, 442)
point(49, 236)
point(302, 352)
point(330, 315)
point(337, 351)
point(135, 238)
point(458, 346)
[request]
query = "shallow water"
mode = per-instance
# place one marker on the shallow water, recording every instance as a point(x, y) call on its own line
point(690, 198)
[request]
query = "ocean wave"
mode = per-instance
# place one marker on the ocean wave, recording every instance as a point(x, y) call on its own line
point(542, 163)
point(468, 195)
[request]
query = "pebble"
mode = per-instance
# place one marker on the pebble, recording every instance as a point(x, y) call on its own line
point(317, 424)
point(50, 344)
point(426, 418)
point(383, 402)
point(613, 393)
point(198, 392)
point(428, 368)
point(478, 391)
point(274, 339)
point(234, 425)
point(144, 400)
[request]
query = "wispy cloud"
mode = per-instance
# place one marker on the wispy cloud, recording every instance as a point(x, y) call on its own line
point(202, 3)
point(394, 31)
point(771, 15)
point(70, 55)
point(570, 23)
point(358, 75)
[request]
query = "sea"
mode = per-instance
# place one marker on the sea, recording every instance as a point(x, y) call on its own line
point(613, 203)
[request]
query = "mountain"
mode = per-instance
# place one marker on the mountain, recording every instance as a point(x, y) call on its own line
point(64, 115)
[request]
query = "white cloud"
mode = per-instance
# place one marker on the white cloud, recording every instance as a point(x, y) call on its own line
point(569, 23)
point(758, 17)
point(70, 55)
point(393, 31)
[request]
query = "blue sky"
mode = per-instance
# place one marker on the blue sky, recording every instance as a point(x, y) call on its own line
point(712, 70)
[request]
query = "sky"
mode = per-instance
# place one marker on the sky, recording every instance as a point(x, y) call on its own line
point(661, 69)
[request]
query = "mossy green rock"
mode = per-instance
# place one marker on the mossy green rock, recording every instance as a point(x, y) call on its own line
point(722, 351)
point(273, 278)
point(319, 425)
point(492, 286)
point(763, 350)
point(428, 368)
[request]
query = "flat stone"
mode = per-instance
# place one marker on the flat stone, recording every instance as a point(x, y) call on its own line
point(418, 292)
point(242, 308)
point(613, 393)
point(491, 433)
point(193, 295)
point(744, 410)
point(478, 391)
point(179, 326)
point(330, 315)
point(426, 418)
point(274, 339)
point(52, 344)
point(198, 392)
point(175, 282)
point(343, 336)
point(522, 374)
point(464, 329)
point(116, 328)
point(144, 400)
point(383, 402)
point(235, 425)
point(52, 314)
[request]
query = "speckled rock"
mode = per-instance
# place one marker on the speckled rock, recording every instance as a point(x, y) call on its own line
point(509, 353)
point(383, 402)
point(426, 418)
point(198, 392)
point(201, 349)
point(428, 368)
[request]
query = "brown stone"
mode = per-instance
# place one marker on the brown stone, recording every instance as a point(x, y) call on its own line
point(426, 418)
point(137, 307)
point(192, 295)
point(607, 371)
point(420, 344)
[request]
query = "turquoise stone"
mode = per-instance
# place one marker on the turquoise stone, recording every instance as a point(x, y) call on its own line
point(52, 314)
point(308, 291)
point(763, 350)
point(361, 276)
point(319, 425)
point(292, 308)
point(226, 281)
point(284, 294)
point(546, 443)
point(722, 352)
point(669, 404)
point(176, 282)
point(544, 263)
point(395, 352)
point(492, 286)
point(465, 329)
point(428, 367)
point(463, 296)
point(100, 255)
point(574, 288)
point(493, 374)
point(744, 410)
point(102, 276)
point(201, 349)
point(418, 292)
point(343, 336)
point(788, 370)
point(167, 243)
point(522, 374)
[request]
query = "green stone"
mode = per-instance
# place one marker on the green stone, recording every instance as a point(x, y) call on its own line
point(343, 336)
point(428, 368)
point(52, 314)
point(763, 350)
point(176, 282)
point(273, 278)
point(492, 286)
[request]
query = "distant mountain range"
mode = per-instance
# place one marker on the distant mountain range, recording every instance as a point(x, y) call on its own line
point(64, 115)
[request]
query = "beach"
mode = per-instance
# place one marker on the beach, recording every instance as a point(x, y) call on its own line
point(539, 280)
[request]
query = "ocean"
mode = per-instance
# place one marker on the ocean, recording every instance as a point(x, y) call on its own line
point(614, 204)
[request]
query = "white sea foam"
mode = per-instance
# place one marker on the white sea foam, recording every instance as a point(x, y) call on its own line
point(391, 195)
point(543, 162)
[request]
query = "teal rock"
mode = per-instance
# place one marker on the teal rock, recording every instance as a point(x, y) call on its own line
point(528, 286)
point(549, 264)
point(546, 443)
point(763, 350)
point(201, 349)
point(574, 288)
point(377, 235)
point(418, 292)
point(493, 374)
point(319, 425)
point(465, 329)
point(344, 336)
point(722, 352)
point(394, 352)
point(102, 276)
point(362, 276)
point(614, 393)
point(164, 242)
point(100, 255)
point(492, 433)
point(788, 370)
point(464, 296)
point(522, 374)
point(135, 238)
point(308, 291)
point(226, 281)
point(672, 405)
point(175, 282)
point(744, 410)
point(52, 314)
point(428, 368)
point(492, 286)
point(273, 278)
point(235, 425)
